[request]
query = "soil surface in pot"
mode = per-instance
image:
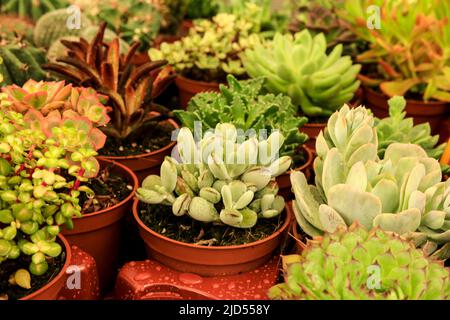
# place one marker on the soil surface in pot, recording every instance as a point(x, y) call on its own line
point(315, 120)
point(110, 189)
point(299, 158)
point(8, 267)
point(160, 219)
point(152, 138)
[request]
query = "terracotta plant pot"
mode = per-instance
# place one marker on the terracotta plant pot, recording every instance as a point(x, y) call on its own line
point(186, 25)
point(295, 232)
point(189, 88)
point(433, 112)
point(51, 290)
point(210, 261)
point(98, 233)
point(284, 181)
point(147, 163)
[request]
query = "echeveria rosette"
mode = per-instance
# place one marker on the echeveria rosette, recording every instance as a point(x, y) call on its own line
point(299, 66)
point(242, 104)
point(356, 264)
point(222, 178)
point(353, 184)
point(44, 162)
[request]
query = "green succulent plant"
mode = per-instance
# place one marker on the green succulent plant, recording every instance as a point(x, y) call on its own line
point(298, 66)
point(44, 164)
point(396, 128)
point(402, 192)
point(200, 9)
point(357, 264)
point(223, 178)
point(32, 9)
point(212, 49)
point(242, 104)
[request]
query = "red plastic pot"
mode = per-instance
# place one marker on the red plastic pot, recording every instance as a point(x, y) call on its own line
point(433, 112)
point(147, 163)
point(210, 261)
point(98, 233)
point(284, 181)
point(189, 88)
point(51, 290)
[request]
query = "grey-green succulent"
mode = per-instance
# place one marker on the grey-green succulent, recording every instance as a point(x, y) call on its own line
point(402, 192)
point(222, 178)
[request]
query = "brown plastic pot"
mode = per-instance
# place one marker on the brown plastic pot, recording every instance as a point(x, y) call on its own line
point(164, 38)
point(284, 181)
point(433, 112)
point(210, 261)
point(312, 130)
point(51, 290)
point(147, 163)
point(189, 88)
point(98, 233)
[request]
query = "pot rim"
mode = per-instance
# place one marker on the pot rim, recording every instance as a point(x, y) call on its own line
point(198, 82)
point(128, 198)
point(384, 96)
point(310, 159)
point(61, 273)
point(149, 154)
point(274, 235)
point(315, 124)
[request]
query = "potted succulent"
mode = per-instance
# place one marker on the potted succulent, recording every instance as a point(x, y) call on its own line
point(409, 56)
point(45, 164)
point(73, 115)
point(215, 211)
point(323, 271)
point(298, 66)
point(210, 51)
point(242, 104)
point(138, 136)
point(401, 192)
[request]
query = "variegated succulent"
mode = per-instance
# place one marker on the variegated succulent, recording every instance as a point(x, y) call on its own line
point(402, 192)
point(222, 178)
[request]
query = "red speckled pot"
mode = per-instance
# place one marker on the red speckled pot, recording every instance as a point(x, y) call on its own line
point(189, 88)
point(210, 261)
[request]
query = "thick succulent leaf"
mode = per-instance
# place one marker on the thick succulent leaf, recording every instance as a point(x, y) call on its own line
point(357, 176)
point(333, 170)
point(387, 191)
point(402, 222)
point(308, 228)
point(330, 219)
point(434, 219)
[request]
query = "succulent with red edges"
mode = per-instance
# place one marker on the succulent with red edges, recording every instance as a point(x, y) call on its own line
point(130, 89)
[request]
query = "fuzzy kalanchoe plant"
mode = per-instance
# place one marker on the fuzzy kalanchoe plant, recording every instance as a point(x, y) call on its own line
point(396, 128)
point(339, 266)
point(401, 192)
point(44, 163)
point(130, 89)
point(220, 179)
point(411, 49)
point(212, 49)
point(242, 104)
point(299, 66)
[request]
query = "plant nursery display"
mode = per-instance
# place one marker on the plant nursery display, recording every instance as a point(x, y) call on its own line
point(334, 267)
point(401, 192)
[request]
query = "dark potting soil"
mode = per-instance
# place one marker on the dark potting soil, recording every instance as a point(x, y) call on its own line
point(110, 189)
point(299, 158)
point(9, 267)
point(160, 219)
point(153, 138)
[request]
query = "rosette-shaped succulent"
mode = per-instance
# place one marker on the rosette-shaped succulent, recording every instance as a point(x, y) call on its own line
point(357, 264)
point(317, 82)
point(222, 178)
point(353, 184)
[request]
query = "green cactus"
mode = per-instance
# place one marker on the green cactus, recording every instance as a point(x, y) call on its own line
point(298, 66)
point(32, 9)
point(200, 9)
point(219, 179)
point(57, 24)
point(357, 264)
point(401, 192)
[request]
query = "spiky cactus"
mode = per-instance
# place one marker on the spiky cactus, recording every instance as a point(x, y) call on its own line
point(356, 264)
point(220, 179)
point(353, 184)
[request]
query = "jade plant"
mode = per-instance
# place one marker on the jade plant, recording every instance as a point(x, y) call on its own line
point(409, 55)
point(396, 128)
point(356, 264)
point(32, 9)
point(44, 164)
point(244, 105)
point(212, 49)
point(298, 66)
point(129, 89)
point(402, 192)
point(224, 178)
